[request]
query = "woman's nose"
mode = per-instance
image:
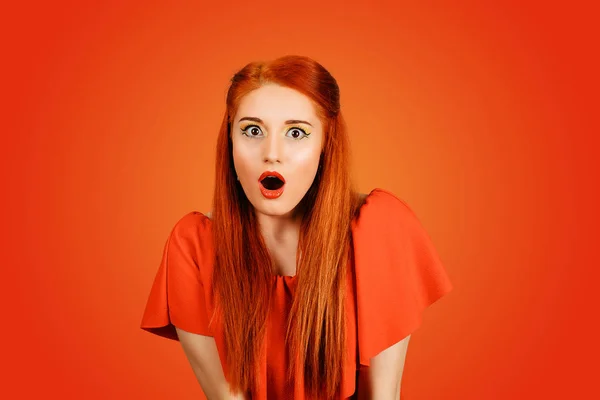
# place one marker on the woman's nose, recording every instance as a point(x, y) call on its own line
point(272, 149)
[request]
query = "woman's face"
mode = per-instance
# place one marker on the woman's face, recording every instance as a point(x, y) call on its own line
point(276, 130)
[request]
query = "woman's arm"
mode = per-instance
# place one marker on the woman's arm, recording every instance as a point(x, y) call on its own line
point(383, 378)
point(201, 351)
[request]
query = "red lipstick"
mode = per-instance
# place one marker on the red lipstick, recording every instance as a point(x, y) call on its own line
point(271, 184)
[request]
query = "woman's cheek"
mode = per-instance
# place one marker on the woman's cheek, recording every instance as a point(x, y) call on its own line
point(242, 164)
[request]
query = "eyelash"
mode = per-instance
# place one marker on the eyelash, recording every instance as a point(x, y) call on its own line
point(245, 131)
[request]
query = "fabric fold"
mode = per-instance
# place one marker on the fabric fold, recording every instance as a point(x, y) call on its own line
point(178, 296)
point(398, 273)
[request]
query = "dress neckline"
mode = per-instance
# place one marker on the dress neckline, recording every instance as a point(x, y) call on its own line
point(288, 278)
point(285, 277)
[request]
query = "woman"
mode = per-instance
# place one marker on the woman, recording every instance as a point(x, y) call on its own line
point(296, 285)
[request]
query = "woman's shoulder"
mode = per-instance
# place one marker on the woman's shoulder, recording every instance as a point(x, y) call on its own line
point(398, 272)
point(380, 208)
point(192, 218)
point(193, 225)
point(177, 296)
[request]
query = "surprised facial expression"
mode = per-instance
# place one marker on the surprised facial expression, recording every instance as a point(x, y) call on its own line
point(277, 140)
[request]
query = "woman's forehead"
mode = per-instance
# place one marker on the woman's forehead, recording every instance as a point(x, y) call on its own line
point(274, 103)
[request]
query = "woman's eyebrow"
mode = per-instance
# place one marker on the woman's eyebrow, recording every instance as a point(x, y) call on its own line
point(289, 121)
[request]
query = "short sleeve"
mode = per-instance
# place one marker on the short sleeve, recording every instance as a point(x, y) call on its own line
point(398, 273)
point(177, 296)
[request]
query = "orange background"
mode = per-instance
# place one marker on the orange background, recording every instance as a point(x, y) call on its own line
point(481, 117)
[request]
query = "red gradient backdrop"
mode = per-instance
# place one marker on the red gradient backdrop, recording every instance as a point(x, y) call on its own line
point(482, 117)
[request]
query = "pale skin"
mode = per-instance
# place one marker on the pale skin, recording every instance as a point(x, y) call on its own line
point(270, 142)
point(277, 129)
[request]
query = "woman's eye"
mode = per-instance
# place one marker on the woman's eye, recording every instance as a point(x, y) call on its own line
point(297, 133)
point(251, 131)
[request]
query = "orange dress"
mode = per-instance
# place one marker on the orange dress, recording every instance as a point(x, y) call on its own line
point(396, 274)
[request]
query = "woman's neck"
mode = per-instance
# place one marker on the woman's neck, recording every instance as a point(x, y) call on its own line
point(279, 230)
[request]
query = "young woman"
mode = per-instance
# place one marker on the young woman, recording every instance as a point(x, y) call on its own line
point(295, 286)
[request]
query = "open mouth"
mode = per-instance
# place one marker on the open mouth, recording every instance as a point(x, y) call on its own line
point(272, 183)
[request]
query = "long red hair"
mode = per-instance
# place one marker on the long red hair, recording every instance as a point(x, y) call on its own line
point(242, 277)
